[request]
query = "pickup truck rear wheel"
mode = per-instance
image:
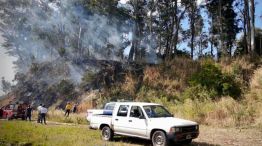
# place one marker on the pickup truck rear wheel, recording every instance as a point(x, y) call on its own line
point(159, 139)
point(107, 133)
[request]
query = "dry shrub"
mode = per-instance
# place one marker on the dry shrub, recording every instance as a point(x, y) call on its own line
point(130, 84)
point(151, 74)
point(169, 81)
point(183, 68)
point(83, 106)
point(57, 115)
point(242, 68)
point(225, 112)
point(256, 86)
point(254, 97)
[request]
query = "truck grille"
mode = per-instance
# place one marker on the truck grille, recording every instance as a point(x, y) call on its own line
point(188, 129)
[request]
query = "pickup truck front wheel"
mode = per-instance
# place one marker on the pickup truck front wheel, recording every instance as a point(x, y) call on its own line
point(159, 139)
point(107, 133)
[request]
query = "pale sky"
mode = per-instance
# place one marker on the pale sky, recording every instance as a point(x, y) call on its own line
point(6, 65)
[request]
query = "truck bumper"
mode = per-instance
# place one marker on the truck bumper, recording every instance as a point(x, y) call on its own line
point(182, 136)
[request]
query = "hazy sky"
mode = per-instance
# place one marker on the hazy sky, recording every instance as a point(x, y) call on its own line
point(6, 65)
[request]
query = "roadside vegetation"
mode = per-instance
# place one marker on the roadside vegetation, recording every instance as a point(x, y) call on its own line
point(224, 93)
point(57, 115)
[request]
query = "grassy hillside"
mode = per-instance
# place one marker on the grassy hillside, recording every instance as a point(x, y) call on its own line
point(225, 93)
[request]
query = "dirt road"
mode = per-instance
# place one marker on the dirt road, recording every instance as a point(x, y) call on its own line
point(210, 136)
point(229, 137)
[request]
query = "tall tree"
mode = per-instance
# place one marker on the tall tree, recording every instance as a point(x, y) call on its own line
point(6, 86)
point(252, 14)
point(195, 22)
point(224, 24)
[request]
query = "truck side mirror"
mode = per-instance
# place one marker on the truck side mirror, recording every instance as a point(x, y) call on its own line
point(142, 117)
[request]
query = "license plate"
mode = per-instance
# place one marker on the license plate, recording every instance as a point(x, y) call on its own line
point(188, 137)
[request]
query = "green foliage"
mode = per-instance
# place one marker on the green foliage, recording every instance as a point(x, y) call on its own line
point(5, 85)
point(87, 78)
point(199, 92)
point(62, 52)
point(211, 78)
point(66, 88)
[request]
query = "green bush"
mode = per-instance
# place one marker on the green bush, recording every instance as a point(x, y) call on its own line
point(211, 78)
point(199, 92)
point(66, 88)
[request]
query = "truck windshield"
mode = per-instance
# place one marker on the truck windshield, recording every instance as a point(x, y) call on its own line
point(156, 111)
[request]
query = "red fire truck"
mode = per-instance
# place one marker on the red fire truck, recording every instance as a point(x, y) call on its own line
point(13, 111)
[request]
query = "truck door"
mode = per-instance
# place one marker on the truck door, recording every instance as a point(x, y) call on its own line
point(120, 121)
point(137, 122)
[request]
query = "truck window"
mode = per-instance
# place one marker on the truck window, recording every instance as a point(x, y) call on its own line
point(136, 112)
point(123, 110)
point(110, 106)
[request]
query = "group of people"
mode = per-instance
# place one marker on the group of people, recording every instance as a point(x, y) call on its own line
point(42, 110)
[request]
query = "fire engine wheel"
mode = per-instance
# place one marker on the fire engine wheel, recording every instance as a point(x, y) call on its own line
point(107, 133)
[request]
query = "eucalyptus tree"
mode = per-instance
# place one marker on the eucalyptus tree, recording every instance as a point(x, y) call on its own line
point(224, 24)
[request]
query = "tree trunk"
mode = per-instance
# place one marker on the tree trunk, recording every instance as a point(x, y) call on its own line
point(252, 14)
point(221, 40)
point(248, 25)
point(245, 34)
point(192, 24)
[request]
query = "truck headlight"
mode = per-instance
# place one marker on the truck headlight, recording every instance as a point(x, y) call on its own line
point(197, 127)
point(175, 129)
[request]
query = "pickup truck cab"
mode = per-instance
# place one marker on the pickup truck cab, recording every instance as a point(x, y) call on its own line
point(147, 121)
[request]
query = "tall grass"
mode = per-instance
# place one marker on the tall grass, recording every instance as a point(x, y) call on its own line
point(254, 97)
point(57, 115)
point(225, 112)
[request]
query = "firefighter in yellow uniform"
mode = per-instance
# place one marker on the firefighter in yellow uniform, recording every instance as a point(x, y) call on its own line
point(68, 109)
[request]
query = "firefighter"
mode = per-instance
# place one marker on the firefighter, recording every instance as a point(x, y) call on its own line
point(68, 109)
point(28, 112)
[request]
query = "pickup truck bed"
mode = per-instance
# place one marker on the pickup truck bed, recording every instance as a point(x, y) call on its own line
point(95, 124)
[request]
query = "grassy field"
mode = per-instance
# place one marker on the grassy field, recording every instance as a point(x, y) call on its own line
point(31, 133)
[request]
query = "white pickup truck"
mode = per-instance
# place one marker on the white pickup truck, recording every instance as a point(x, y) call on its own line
point(147, 121)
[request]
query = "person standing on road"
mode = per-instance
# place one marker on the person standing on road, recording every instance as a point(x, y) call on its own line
point(68, 109)
point(39, 113)
point(43, 114)
point(28, 112)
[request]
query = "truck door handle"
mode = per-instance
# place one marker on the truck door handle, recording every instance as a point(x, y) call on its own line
point(116, 119)
point(130, 121)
